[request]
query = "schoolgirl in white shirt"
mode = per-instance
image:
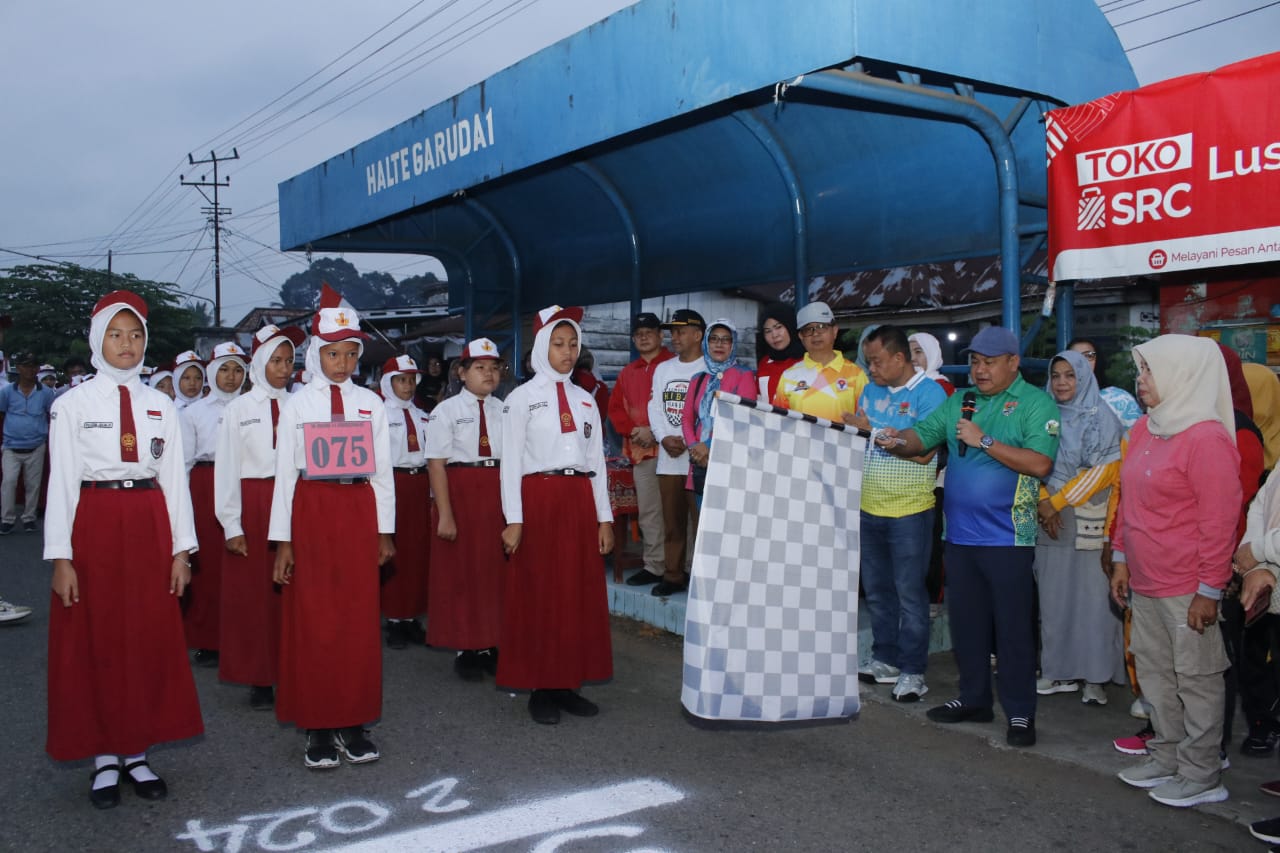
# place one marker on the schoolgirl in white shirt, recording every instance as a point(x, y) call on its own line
point(188, 381)
point(555, 615)
point(118, 529)
point(243, 481)
point(404, 579)
point(464, 448)
point(202, 605)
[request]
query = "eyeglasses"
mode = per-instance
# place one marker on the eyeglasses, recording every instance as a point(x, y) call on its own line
point(720, 339)
point(814, 329)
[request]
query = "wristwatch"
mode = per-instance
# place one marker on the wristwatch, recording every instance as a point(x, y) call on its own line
point(986, 441)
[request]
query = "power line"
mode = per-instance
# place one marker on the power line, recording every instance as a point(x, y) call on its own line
point(1154, 14)
point(1202, 26)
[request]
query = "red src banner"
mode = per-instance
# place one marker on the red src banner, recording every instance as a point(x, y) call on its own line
point(1182, 174)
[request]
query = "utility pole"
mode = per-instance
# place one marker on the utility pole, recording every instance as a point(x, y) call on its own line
point(215, 214)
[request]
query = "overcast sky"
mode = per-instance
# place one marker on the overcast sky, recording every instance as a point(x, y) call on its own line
point(103, 101)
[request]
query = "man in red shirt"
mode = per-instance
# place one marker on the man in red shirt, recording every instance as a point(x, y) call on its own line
point(629, 414)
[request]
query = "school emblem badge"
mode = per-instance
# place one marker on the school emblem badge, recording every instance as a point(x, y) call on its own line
point(586, 430)
point(129, 442)
point(566, 419)
point(157, 447)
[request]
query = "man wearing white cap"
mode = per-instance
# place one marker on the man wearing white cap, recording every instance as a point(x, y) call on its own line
point(404, 579)
point(333, 515)
point(243, 481)
point(199, 421)
point(825, 384)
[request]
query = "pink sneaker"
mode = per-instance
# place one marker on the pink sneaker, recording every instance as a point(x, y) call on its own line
point(1135, 745)
point(1272, 788)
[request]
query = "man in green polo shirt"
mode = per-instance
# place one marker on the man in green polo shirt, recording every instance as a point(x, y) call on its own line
point(998, 454)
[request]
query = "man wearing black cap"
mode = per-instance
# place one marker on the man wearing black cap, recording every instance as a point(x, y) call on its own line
point(24, 410)
point(666, 406)
point(629, 414)
point(1002, 438)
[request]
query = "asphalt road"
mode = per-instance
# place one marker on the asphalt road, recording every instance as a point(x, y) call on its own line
point(464, 768)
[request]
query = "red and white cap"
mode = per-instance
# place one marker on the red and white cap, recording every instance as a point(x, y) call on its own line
point(122, 299)
point(400, 364)
point(482, 348)
point(553, 314)
point(336, 319)
point(292, 334)
point(184, 359)
point(229, 349)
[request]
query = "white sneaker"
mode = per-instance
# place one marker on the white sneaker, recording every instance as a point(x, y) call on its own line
point(878, 672)
point(1047, 687)
point(1139, 710)
point(1094, 694)
point(1181, 793)
point(1148, 774)
point(909, 688)
point(13, 612)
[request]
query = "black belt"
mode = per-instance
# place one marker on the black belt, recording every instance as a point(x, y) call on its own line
point(23, 451)
point(562, 472)
point(483, 463)
point(350, 481)
point(419, 470)
point(203, 462)
point(149, 483)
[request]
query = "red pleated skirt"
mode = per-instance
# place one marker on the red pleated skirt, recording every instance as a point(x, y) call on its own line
point(250, 599)
point(202, 603)
point(330, 637)
point(119, 680)
point(555, 611)
point(404, 579)
point(468, 574)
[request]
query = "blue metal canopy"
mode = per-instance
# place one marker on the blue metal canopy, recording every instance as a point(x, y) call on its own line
point(684, 145)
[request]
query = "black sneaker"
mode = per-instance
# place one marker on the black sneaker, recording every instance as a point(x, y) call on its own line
point(468, 667)
point(262, 698)
point(396, 635)
point(1260, 743)
point(489, 660)
point(1021, 732)
point(6, 528)
point(574, 703)
point(206, 657)
point(321, 754)
point(29, 526)
point(414, 632)
point(354, 744)
point(956, 711)
point(543, 708)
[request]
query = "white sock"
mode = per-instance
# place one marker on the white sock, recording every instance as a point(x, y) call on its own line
point(110, 777)
point(139, 774)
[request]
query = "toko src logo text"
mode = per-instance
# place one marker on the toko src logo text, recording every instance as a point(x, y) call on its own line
point(1126, 163)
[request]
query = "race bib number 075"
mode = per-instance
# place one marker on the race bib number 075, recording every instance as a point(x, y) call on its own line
point(338, 449)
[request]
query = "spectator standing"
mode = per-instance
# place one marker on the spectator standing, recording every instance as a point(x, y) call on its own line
point(24, 410)
point(629, 414)
point(825, 384)
point(1081, 639)
point(666, 406)
point(998, 454)
point(926, 354)
point(897, 516)
point(1172, 540)
point(778, 346)
point(1120, 401)
point(722, 373)
point(1264, 390)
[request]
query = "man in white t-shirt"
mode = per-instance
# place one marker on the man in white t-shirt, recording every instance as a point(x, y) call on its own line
point(666, 405)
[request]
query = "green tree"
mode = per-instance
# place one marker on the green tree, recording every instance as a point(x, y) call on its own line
point(302, 289)
point(50, 307)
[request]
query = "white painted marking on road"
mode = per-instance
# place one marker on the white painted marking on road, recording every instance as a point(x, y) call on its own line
point(552, 814)
point(555, 842)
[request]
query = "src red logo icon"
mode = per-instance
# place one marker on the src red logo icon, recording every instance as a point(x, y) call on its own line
point(1158, 259)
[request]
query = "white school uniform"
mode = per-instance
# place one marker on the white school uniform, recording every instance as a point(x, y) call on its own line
point(455, 428)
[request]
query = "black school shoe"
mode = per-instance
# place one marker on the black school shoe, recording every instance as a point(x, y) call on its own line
point(152, 789)
point(205, 657)
point(489, 660)
point(468, 666)
point(108, 797)
point(956, 711)
point(1021, 731)
point(262, 698)
point(666, 588)
point(396, 635)
point(574, 703)
point(644, 577)
point(543, 707)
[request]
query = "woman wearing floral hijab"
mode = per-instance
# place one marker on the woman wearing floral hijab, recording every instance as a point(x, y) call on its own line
point(723, 373)
point(1172, 540)
point(1081, 638)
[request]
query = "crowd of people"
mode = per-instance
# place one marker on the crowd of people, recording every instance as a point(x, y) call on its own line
point(1091, 538)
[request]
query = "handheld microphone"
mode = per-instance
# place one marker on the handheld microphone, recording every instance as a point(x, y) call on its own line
point(968, 405)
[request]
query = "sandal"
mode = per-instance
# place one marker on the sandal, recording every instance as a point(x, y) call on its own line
point(152, 789)
point(107, 797)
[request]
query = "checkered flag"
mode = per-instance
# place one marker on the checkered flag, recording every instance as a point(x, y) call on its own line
point(771, 631)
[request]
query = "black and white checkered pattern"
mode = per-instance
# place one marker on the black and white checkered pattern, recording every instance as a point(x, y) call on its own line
point(771, 631)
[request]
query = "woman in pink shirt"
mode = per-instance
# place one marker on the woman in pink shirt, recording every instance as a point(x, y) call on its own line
point(723, 373)
point(1173, 538)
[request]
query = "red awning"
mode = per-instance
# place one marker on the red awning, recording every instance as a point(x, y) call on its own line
point(1182, 174)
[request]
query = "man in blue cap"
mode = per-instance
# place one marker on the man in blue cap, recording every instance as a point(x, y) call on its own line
point(1002, 436)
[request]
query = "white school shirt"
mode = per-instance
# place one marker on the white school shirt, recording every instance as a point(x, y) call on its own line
point(666, 406)
point(84, 444)
point(455, 428)
point(400, 455)
point(533, 441)
point(244, 452)
point(199, 424)
point(311, 404)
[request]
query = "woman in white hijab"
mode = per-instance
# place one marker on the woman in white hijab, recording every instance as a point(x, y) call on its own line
point(555, 620)
point(1172, 540)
